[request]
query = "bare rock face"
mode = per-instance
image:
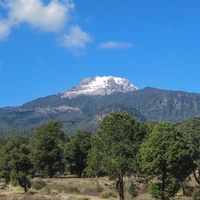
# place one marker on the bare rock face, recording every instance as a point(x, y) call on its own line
point(100, 86)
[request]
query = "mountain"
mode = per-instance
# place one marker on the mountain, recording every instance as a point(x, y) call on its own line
point(84, 106)
point(100, 86)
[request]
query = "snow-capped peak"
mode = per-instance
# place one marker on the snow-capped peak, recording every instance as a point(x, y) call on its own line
point(100, 86)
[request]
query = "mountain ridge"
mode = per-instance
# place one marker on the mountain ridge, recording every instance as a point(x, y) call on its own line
point(86, 111)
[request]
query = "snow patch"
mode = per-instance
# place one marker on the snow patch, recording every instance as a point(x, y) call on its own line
point(100, 86)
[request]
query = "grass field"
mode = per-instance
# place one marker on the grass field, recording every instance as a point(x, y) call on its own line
point(70, 188)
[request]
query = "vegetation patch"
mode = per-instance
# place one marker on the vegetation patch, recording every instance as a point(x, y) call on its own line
point(108, 194)
point(71, 189)
point(133, 190)
point(45, 190)
point(38, 184)
point(196, 194)
point(129, 154)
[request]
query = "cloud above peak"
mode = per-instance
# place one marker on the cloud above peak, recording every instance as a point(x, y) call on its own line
point(115, 45)
point(50, 17)
point(53, 16)
point(76, 38)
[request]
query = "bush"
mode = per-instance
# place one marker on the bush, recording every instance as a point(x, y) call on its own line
point(108, 194)
point(71, 189)
point(188, 191)
point(38, 184)
point(98, 187)
point(133, 190)
point(60, 188)
point(45, 190)
point(196, 194)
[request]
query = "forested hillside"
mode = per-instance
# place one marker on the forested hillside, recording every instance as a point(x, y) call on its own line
point(85, 112)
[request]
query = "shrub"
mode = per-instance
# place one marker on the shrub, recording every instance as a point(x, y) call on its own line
point(88, 191)
point(38, 184)
point(108, 194)
point(188, 191)
point(45, 190)
point(71, 189)
point(133, 190)
point(60, 188)
point(196, 194)
point(98, 187)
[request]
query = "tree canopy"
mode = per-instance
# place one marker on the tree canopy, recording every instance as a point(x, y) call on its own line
point(122, 146)
point(47, 153)
point(15, 165)
point(115, 146)
point(191, 131)
point(76, 151)
point(165, 155)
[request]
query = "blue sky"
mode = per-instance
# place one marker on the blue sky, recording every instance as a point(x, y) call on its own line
point(48, 46)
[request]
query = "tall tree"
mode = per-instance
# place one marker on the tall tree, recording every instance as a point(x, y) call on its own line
point(76, 151)
point(114, 148)
point(191, 131)
point(15, 165)
point(47, 152)
point(165, 155)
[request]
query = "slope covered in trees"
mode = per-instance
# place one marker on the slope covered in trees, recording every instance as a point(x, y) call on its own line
point(84, 112)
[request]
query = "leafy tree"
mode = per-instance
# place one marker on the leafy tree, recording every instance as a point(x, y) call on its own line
point(2, 142)
point(47, 153)
point(15, 165)
point(150, 125)
point(114, 148)
point(165, 154)
point(76, 151)
point(191, 131)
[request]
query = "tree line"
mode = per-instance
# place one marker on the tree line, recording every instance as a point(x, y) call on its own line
point(163, 154)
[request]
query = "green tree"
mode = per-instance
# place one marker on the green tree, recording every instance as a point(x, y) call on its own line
point(2, 142)
point(165, 155)
point(15, 165)
point(76, 151)
point(47, 152)
point(114, 148)
point(191, 131)
point(150, 125)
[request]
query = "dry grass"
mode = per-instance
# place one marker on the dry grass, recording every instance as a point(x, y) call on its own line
point(59, 189)
point(69, 188)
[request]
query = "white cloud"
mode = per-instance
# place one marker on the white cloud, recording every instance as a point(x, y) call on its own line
point(4, 29)
point(76, 39)
point(51, 17)
point(115, 45)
